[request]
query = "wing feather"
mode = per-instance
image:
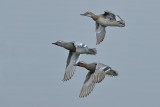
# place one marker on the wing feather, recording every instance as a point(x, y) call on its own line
point(99, 73)
point(100, 33)
point(110, 15)
point(70, 68)
point(88, 85)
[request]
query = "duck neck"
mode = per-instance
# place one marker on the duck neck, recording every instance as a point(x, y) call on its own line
point(94, 17)
point(90, 67)
point(84, 65)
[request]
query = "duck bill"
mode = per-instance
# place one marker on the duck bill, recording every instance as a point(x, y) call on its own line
point(54, 43)
point(82, 14)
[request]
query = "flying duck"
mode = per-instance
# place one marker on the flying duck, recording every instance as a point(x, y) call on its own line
point(75, 49)
point(103, 20)
point(96, 74)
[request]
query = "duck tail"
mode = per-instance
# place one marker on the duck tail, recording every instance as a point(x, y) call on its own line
point(112, 73)
point(92, 51)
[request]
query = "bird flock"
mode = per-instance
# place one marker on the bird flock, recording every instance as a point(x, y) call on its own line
point(96, 71)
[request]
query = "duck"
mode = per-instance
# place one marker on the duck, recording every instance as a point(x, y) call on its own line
point(96, 74)
point(75, 49)
point(104, 20)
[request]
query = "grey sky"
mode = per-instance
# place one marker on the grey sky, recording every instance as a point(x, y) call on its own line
point(31, 68)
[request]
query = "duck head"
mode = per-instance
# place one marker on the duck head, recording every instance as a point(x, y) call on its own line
point(59, 43)
point(89, 14)
point(80, 63)
point(91, 66)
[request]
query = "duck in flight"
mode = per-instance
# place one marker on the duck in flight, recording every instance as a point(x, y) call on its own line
point(103, 20)
point(96, 74)
point(75, 49)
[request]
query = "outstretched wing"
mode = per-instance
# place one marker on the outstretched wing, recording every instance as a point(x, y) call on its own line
point(100, 33)
point(109, 15)
point(99, 73)
point(79, 44)
point(70, 68)
point(81, 48)
point(88, 85)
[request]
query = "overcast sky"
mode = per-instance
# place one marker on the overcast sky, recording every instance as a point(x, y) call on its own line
point(31, 68)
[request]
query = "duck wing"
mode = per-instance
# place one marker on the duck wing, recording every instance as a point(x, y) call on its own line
point(99, 73)
point(70, 68)
point(109, 15)
point(79, 45)
point(82, 48)
point(88, 85)
point(100, 33)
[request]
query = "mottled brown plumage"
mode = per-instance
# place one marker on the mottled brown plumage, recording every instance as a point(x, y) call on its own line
point(103, 20)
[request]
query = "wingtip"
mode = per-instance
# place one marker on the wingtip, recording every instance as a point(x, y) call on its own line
point(64, 80)
point(98, 43)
